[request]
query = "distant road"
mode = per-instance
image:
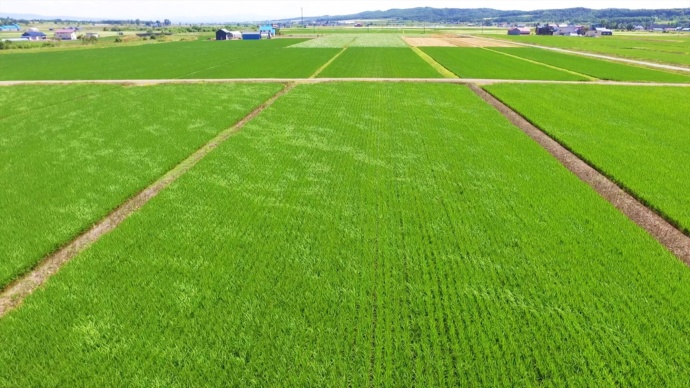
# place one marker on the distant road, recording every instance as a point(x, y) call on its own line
point(463, 81)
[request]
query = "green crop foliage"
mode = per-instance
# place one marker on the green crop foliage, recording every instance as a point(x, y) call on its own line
point(381, 62)
point(480, 63)
point(671, 49)
point(353, 235)
point(639, 136)
point(595, 67)
point(203, 59)
point(67, 165)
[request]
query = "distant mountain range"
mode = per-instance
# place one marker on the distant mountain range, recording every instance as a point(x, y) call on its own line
point(451, 15)
point(476, 15)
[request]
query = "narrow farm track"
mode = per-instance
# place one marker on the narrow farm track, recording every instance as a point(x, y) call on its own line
point(462, 81)
point(15, 293)
point(669, 236)
point(598, 56)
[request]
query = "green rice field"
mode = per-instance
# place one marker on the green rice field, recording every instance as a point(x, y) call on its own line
point(596, 68)
point(398, 231)
point(672, 49)
point(395, 241)
point(636, 135)
point(381, 62)
point(203, 59)
point(67, 164)
point(481, 63)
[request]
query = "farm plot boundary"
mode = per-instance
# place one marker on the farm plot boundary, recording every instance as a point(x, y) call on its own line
point(668, 235)
point(15, 293)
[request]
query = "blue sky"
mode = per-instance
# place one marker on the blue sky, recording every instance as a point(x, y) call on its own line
point(232, 10)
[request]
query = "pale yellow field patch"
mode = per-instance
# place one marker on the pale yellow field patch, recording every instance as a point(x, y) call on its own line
point(427, 42)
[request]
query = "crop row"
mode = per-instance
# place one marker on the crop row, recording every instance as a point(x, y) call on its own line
point(352, 235)
point(66, 164)
point(383, 62)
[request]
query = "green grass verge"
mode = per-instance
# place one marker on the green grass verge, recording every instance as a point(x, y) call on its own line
point(67, 165)
point(480, 63)
point(636, 135)
point(381, 62)
point(203, 59)
point(597, 68)
point(390, 241)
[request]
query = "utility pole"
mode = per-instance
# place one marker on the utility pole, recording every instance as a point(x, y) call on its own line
point(302, 9)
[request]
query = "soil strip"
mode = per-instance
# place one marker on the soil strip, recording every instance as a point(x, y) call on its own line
point(673, 239)
point(15, 293)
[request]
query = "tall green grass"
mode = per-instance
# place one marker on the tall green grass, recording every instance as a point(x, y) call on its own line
point(639, 136)
point(352, 235)
point(65, 166)
point(381, 62)
point(480, 63)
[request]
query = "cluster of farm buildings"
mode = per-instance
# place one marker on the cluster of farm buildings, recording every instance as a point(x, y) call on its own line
point(35, 34)
point(579, 30)
point(265, 32)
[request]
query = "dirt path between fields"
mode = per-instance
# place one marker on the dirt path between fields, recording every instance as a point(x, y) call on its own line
point(15, 293)
point(464, 81)
point(673, 239)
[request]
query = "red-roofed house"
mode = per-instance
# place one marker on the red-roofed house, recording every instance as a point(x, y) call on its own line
point(66, 34)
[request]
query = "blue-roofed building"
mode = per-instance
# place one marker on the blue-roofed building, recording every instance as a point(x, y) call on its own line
point(34, 35)
point(11, 27)
point(267, 29)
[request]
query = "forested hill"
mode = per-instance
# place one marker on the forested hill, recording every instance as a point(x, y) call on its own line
point(575, 15)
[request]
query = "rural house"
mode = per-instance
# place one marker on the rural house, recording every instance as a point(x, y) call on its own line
point(267, 30)
point(604, 31)
point(66, 34)
point(34, 35)
point(569, 30)
point(519, 31)
point(223, 34)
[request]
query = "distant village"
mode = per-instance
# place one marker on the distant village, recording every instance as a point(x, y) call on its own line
point(268, 31)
